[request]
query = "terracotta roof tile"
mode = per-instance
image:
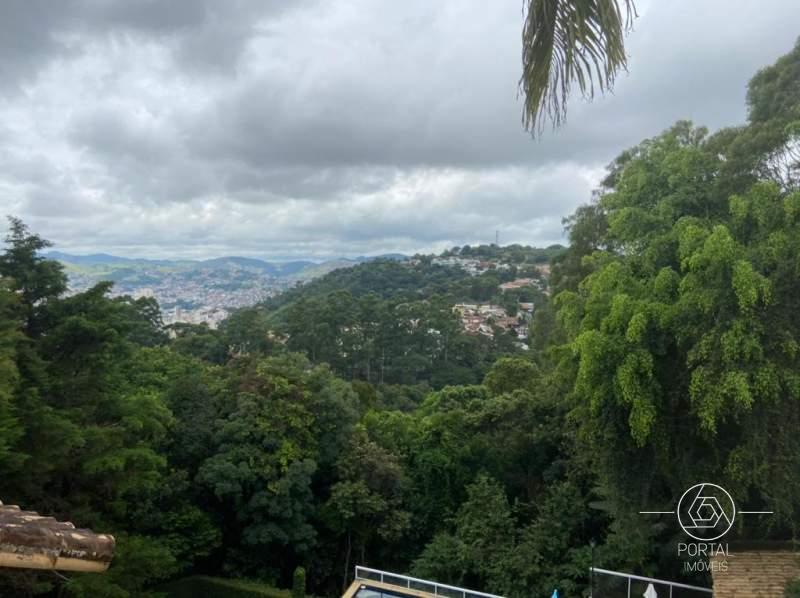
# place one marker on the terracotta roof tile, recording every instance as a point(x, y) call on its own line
point(756, 574)
point(29, 540)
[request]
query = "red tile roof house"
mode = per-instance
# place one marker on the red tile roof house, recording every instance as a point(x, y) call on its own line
point(31, 541)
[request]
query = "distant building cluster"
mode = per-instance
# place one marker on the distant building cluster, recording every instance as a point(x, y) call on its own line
point(485, 318)
point(472, 267)
point(212, 316)
point(520, 283)
point(205, 296)
point(543, 269)
point(208, 295)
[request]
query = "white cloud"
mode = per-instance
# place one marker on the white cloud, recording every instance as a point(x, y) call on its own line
point(181, 128)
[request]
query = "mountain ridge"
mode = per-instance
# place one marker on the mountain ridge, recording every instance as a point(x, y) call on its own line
point(270, 266)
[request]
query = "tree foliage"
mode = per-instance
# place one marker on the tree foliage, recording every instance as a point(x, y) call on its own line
point(566, 43)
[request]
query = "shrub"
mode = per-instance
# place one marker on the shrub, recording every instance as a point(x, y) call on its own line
point(299, 583)
point(200, 585)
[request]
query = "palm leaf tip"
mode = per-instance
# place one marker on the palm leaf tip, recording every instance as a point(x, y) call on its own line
point(566, 42)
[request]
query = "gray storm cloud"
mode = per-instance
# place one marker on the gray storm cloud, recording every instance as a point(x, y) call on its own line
point(197, 128)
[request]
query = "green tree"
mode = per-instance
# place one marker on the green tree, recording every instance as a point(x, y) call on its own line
point(481, 543)
point(10, 337)
point(198, 340)
point(366, 504)
point(553, 550)
point(287, 421)
point(681, 329)
point(299, 583)
point(511, 373)
point(246, 330)
point(37, 279)
point(85, 385)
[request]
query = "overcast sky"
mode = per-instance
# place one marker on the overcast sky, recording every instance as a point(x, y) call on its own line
point(199, 128)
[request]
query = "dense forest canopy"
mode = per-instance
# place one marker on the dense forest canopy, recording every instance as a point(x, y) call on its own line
point(353, 420)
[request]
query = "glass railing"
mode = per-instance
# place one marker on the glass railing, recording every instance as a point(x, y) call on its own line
point(611, 584)
point(421, 585)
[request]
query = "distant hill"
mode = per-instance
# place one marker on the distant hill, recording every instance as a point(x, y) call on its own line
point(274, 268)
point(86, 260)
point(396, 277)
point(104, 259)
point(398, 257)
point(179, 280)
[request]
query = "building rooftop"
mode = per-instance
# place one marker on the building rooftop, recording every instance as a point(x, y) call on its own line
point(756, 573)
point(31, 541)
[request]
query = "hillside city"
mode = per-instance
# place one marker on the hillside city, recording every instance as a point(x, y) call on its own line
point(200, 294)
point(193, 292)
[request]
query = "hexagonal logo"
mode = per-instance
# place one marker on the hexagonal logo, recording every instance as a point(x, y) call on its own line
point(706, 512)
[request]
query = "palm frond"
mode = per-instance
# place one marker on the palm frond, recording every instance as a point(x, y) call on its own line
point(566, 42)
